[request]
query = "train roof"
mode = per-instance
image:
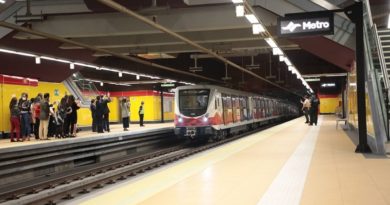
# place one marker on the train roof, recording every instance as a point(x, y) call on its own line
point(223, 89)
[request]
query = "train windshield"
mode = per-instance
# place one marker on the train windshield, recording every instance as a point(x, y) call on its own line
point(193, 102)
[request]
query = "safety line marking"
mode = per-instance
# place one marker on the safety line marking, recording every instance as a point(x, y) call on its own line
point(287, 187)
point(143, 187)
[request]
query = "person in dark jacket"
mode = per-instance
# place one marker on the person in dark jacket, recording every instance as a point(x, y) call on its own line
point(106, 112)
point(314, 103)
point(92, 107)
point(99, 114)
point(141, 114)
point(44, 117)
point(15, 122)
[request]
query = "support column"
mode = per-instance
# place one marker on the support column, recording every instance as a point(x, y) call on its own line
point(355, 13)
point(162, 104)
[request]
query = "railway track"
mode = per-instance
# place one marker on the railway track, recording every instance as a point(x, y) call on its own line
point(55, 189)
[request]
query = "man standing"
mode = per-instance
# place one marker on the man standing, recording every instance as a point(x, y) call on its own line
point(306, 107)
point(141, 114)
point(44, 117)
point(314, 103)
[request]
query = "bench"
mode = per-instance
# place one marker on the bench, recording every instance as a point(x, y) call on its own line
point(341, 119)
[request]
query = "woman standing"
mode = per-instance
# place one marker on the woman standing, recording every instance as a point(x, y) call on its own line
point(125, 106)
point(24, 106)
point(15, 122)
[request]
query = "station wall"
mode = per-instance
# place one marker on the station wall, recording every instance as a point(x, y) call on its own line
point(14, 86)
point(329, 103)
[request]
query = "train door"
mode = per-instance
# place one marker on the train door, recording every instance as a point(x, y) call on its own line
point(227, 109)
point(236, 109)
point(244, 108)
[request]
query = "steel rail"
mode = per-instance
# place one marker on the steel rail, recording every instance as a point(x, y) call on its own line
point(68, 187)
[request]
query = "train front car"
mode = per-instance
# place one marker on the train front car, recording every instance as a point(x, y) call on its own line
point(194, 112)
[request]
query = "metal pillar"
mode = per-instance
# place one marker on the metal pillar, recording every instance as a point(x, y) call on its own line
point(162, 104)
point(355, 13)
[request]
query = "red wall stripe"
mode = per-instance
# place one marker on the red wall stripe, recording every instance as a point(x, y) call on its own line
point(16, 80)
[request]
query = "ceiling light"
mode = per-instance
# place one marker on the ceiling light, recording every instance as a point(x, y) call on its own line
point(55, 59)
point(312, 79)
point(281, 58)
point(238, 1)
point(2, 1)
point(287, 61)
point(71, 66)
point(325, 85)
point(137, 77)
point(251, 18)
point(257, 28)
point(120, 74)
point(101, 83)
point(98, 68)
point(37, 60)
point(240, 10)
point(277, 51)
point(271, 42)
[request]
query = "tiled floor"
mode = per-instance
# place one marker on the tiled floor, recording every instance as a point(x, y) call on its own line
point(243, 171)
point(5, 143)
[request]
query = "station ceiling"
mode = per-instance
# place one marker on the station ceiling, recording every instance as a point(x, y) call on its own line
point(210, 23)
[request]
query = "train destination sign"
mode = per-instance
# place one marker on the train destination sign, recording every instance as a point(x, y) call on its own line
point(303, 24)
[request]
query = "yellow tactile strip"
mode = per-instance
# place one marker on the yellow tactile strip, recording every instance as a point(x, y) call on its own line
point(287, 187)
point(237, 173)
point(339, 176)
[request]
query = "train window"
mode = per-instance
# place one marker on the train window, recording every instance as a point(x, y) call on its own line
point(227, 109)
point(193, 102)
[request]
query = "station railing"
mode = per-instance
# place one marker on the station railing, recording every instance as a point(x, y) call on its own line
point(377, 82)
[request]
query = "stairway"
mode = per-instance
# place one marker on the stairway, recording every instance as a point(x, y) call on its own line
point(384, 39)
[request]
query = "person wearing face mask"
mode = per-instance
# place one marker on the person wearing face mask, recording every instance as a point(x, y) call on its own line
point(24, 107)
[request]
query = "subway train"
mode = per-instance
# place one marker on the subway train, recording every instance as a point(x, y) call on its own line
point(208, 112)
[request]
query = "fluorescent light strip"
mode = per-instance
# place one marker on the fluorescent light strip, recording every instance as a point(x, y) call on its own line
point(72, 64)
point(257, 28)
point(388, 22)
point(240, 10)
point(238, 1)
point(271, 42)
point(252, 18)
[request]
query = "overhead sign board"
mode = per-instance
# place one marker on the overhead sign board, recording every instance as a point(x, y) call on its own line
point(304, 24)
point(167, 85)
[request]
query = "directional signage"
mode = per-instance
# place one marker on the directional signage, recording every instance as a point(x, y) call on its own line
point(304, 24)
point(167, 85)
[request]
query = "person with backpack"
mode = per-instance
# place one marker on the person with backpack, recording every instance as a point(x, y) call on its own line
point(314, 103)
point(44, 117)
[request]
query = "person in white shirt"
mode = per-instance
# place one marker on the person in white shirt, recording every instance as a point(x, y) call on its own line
point(306, 108)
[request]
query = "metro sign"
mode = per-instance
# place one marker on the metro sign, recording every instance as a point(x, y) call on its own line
point(303, 24)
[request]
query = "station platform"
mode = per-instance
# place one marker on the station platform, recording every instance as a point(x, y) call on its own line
point(115, 129)
point(291, 163)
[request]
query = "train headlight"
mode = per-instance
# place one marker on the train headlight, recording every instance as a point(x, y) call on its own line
point(205, 119)
point(180, 120)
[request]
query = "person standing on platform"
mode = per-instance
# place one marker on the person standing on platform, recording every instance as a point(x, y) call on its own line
point(92, 107)
point(306, 108)
point(35, 112)
point(24, 107)
point(141, 114)
point(314, 103)
point(75, 106)
point(106, 112)
point(99, 114)
point(15, 122)
point(44, 117)
point(125, 106)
